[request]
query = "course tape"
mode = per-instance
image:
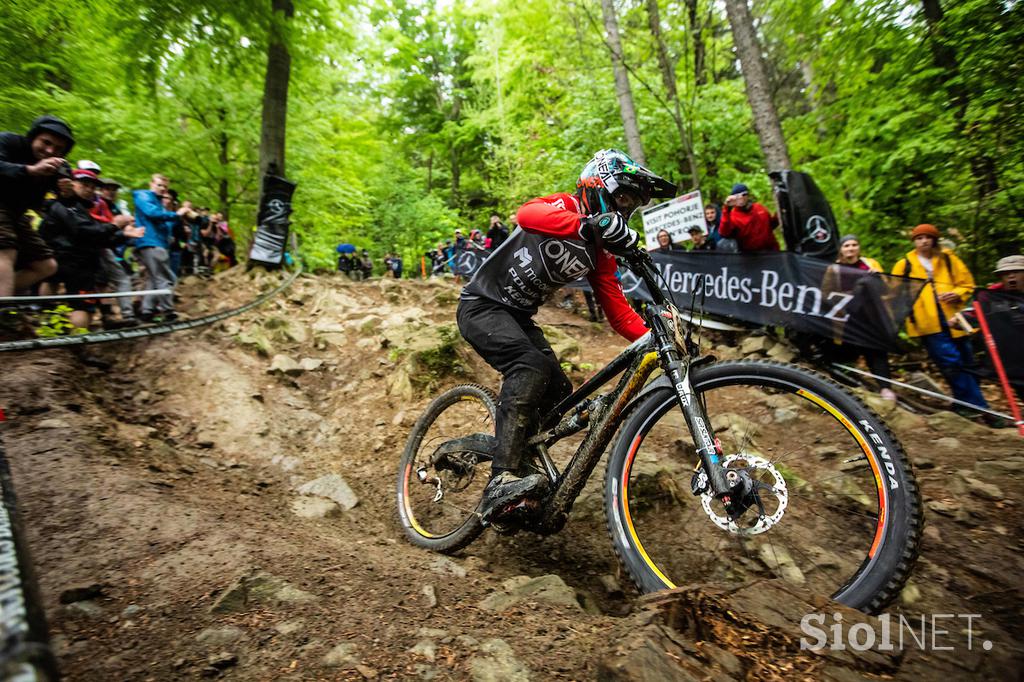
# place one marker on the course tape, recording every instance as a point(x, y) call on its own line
point(143, 332)
point(25, 654)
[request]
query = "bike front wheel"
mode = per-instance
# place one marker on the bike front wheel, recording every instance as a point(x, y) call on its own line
point(444, 468)
point(837, 508)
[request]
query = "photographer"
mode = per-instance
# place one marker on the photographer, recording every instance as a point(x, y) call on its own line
point(30, 167)
point(79, 239)
point(748, 222)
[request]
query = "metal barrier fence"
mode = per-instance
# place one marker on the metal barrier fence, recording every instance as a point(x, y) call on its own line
point(143, 332)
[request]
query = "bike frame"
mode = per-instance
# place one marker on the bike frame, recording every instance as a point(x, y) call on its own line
point(657, 348)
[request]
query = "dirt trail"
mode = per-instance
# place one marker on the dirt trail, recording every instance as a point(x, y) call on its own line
point(169, 480)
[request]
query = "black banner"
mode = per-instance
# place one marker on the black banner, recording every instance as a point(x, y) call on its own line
point(805, 294)
point(1004, 312)
point(271, 238)
point(808, 225)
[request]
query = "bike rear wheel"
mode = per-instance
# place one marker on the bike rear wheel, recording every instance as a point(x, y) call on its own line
point(841, 509)
point(439, 486)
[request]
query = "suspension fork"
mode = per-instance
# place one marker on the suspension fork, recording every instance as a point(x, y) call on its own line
point(709, 448)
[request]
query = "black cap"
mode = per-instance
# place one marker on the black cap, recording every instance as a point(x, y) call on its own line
point(52, 124)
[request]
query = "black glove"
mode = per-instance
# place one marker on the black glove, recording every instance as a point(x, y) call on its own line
point(616, 236)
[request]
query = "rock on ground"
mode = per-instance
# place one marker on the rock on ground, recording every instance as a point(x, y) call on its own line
point(550, 589)
point(497, 663)
point(342, 655)
point(257, 587)
point(315, 507)
point(332, 487)
point(283, 364)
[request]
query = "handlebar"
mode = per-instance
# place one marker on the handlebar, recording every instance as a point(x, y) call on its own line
point(640, 263)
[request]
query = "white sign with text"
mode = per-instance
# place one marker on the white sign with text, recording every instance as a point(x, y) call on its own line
point(676, 216)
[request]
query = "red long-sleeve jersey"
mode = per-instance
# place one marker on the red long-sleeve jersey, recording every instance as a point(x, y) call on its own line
point(547, 253)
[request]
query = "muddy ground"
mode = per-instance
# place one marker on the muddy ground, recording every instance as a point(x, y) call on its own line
point(165, 486)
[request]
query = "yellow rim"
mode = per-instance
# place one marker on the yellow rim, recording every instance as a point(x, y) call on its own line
point(817, 400)
point(880, 526)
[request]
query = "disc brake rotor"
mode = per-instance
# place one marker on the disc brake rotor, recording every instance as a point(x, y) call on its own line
point(754, 465)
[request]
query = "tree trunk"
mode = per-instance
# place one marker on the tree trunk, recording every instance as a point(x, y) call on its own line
point(430, 172)
point(456, 114)
point(983, 166)
point(766, 118)
point(697, 32)
point(456, 175)
point(687, 160)
point(275, 91)
point(622, 90)
point(222, 159)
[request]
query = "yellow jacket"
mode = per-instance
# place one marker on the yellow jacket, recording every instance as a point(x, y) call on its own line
point(872, 263)
point(949, 274)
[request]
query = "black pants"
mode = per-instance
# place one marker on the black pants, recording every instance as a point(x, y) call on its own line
point(533, 381)
point(878, 360)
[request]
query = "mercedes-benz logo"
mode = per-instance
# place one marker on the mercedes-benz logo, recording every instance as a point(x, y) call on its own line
point(466, 263)
point(818, 229)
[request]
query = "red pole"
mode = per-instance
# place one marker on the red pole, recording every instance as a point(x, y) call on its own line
point(997, 362)
point(423, 266)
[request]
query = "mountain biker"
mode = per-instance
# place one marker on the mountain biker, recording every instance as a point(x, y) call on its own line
point(563, 237)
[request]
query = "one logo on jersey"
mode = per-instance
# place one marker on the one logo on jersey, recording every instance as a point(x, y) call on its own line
point(565, 261)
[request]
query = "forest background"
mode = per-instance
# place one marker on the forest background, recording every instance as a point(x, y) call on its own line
point(405, 120)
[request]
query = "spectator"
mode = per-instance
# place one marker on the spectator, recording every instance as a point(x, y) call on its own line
point(366, 265)
point(29, 168)
point(449, 252)
point(748, 222)
point(192, 261)
point(439, 258)
point(113, 268)
point(845, 276)
point(78, 239)
point(153, 249)
point(497, 233)
point(700, 240)
point(226, 241)
point(665, 243)
point(1010, 307)
point(1011, 274)
point(344, 264)
point(208, 238)
point(395, 265)
point(712, 218)
point(180, 233)
point(949, 287)
point(477, 241)
point(460, 241)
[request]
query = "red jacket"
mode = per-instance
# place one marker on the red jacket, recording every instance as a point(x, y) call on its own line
point(751, 229)
point(558, 215)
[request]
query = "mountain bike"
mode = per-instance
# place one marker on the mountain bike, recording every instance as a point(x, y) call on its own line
point(718, 471)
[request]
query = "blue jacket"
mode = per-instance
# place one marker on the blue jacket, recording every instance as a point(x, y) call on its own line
point(151, 214)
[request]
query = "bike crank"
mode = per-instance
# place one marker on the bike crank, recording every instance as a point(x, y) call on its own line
point(744, 473)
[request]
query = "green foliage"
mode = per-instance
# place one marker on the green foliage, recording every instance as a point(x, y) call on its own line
point(439, 361)
point(407, 120)
point(57, 322)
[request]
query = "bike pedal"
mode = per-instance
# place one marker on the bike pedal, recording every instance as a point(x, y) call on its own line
point(511, 518)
